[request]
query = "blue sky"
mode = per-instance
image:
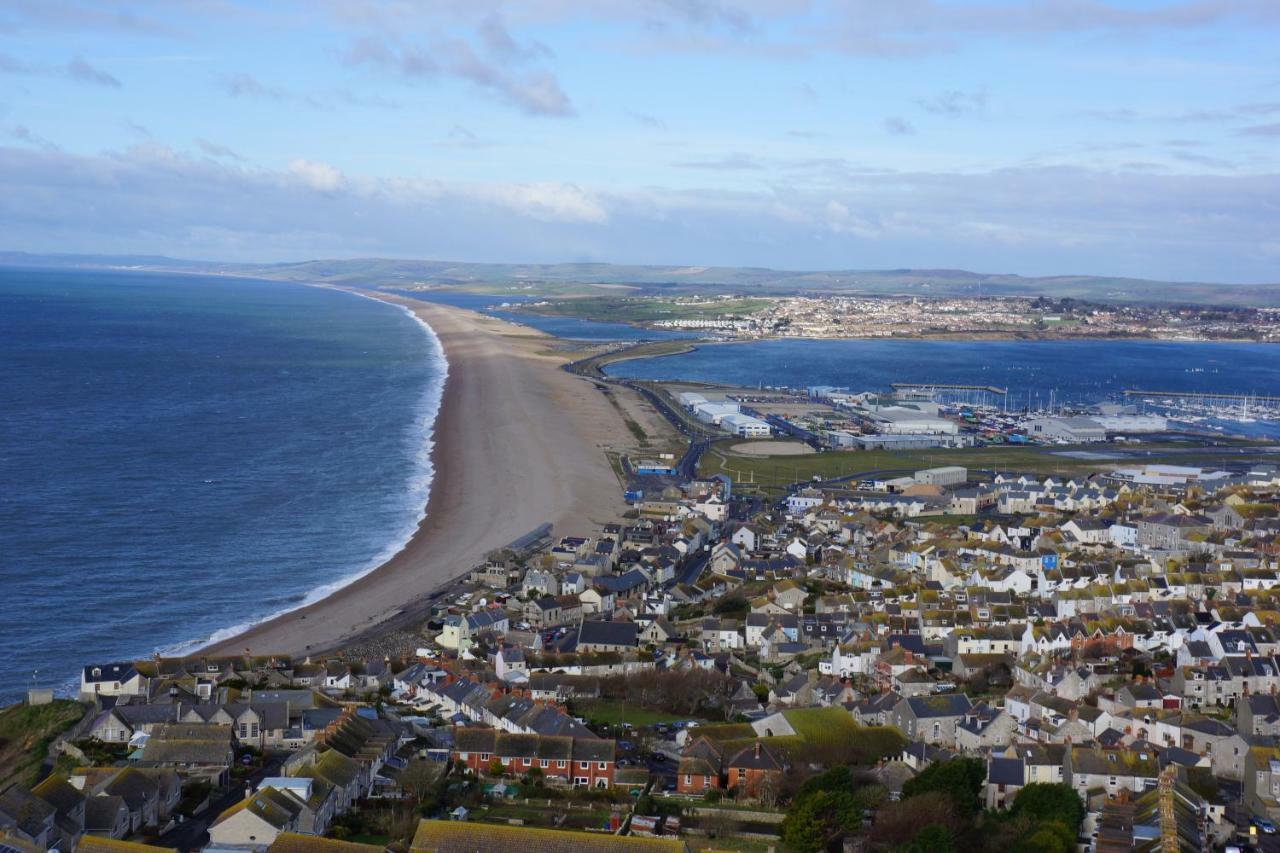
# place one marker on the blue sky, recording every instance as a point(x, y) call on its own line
point(1127, 137)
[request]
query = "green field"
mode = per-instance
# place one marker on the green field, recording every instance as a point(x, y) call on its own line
point(25, 734)
point(775, 473)
point(624, 309)
point(828, 732)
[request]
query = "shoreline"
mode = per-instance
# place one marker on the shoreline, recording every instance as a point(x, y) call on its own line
point(428, 416)
point(502, 406)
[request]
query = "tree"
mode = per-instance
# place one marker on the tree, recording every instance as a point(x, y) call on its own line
point(418, 780)
point(960, 780)
point(899, 823)
point(1045, 802)
point(816, 818)
point(1051, 837)
point(932, 839)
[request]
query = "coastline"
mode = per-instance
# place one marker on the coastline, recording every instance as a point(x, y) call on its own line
point(510, 450)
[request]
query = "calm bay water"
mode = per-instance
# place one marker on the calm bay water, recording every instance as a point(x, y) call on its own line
point(180, 455)
point(569, 328)
point(1074, 371)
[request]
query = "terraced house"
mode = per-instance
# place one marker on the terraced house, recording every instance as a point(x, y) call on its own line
point(580, 762)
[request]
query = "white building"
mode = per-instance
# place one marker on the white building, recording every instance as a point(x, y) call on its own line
point(713, 413)
point(950, 475)
point(689, 399)
point(1132, 423)
point(1075, 430)
point(745, 426)
point(903, 420)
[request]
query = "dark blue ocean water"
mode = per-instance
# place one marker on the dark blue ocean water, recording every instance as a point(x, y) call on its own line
point(183, 454)
point(569, 328)
point(1074, 371)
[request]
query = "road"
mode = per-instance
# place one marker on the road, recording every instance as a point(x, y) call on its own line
point(193, 834)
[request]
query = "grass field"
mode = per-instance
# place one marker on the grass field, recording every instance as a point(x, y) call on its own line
point(818, 732)
point(622, 309)
point(771, 473)
point(25, 734)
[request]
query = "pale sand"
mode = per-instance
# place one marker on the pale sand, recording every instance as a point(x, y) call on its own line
point(519, 442)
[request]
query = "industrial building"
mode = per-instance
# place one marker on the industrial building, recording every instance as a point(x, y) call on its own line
point(910, 442)
point(839, 438)
point(910, 420)
point(745, 426)
point(950, 475)
point(713, 413)
point(689, 399)
point(1132, 423)
point(1074, 430)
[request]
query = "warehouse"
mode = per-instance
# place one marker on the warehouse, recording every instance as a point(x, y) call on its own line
point(950, 475)
point(1132, 423)
point(745, 426)
point(909, 442)
point(713, 413)
point(909, 421)
point(1075, 430)
point(689, 399)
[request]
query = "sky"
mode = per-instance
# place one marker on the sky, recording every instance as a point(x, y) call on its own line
point(1111, 137)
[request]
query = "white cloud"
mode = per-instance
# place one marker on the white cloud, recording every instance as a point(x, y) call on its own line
point(150, 198)
point(321, 177)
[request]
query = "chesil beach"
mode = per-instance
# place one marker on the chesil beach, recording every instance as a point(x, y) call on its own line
point(215, 452)
point(517, 443)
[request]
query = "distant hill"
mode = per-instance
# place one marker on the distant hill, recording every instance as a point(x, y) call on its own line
point(671, 280)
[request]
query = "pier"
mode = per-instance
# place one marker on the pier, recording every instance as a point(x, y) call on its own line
point(934, 386)
point(1203, 395)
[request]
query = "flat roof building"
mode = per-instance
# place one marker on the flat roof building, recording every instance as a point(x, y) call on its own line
point(950, 475)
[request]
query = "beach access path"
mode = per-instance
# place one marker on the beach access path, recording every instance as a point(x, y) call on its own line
point(518, 443)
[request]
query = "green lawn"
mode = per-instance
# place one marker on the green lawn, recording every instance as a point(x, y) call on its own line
point(779, 471)
point(646, 309)
point(25, 734)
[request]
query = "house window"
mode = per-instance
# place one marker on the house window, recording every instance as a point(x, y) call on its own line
point(528, 761)
point(484, 756)
point(561, 764)
point(600, 765)
point(688, 780)
point(544, 763)
point(584, 765)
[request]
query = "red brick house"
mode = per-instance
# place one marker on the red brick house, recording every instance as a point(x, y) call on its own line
point(699, 768)
point(581, 762)
point(754, 769)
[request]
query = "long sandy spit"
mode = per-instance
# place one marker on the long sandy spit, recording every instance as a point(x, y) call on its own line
point(518, 442)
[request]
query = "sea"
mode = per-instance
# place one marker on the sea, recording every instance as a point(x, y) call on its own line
point(1038, 375)
point(182, 456)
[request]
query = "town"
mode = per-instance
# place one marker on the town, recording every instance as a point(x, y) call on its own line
point(949, 657)
point(841, 315)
